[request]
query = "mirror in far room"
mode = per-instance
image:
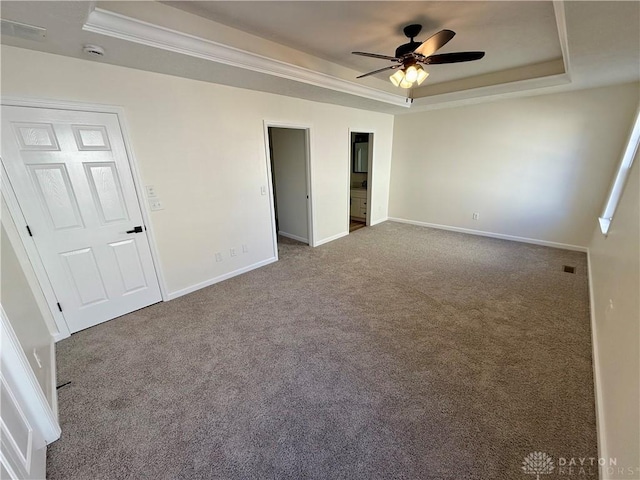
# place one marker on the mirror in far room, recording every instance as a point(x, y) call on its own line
point(360, 152)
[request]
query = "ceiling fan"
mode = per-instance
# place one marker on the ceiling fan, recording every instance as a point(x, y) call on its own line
point(410, 55)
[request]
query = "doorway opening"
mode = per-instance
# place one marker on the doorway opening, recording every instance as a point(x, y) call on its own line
point(360, 163)
point(289, 164)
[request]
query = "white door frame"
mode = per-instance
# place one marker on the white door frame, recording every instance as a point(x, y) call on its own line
point(38, 417)
point(16, 213)
point(20, 249)
point(372, 137)
point(310, 218)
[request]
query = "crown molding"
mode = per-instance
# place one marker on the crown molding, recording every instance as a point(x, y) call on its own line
point(119, 26)
point(521, 88)
point(130, 29)
point(561, 24)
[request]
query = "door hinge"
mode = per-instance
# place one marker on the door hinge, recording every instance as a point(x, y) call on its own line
point(29, 230)
point(59, 307)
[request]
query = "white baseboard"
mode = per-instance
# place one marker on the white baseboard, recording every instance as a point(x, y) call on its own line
point(220, 278)
point(380, 220)
point(331, 239)
point(597, 384)
point(60, 336)
point(545, 243)
point(294, 237)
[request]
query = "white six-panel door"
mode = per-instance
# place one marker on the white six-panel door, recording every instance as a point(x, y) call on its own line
point(72, 178)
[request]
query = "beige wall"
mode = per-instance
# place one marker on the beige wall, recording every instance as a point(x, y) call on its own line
point(202, 146)
point(536, 167)
point(615, 283)
point(23, 312)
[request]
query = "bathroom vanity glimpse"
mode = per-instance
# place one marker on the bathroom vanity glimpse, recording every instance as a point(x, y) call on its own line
point(358, 204)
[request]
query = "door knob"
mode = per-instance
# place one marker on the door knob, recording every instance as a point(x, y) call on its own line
point(137, 229)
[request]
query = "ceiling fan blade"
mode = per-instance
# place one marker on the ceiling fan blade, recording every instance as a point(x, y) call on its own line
point(434, 43)
point(452, 58)
point(376, 55)
point(391, 67)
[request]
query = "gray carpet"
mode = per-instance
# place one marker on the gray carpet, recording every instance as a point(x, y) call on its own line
point(398, 352)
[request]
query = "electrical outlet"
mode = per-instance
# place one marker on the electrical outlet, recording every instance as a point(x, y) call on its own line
point(218, 257)
point(245, 248)
point(476, 215)
point(232, 252)
point(610, 304)
point(156, 204)
point(37, 357)
point(151, 191)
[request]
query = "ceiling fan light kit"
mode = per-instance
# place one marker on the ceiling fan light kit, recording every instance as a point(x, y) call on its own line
point(409, 56)
point(414, 74)
point(411, 74)
point(422, 75)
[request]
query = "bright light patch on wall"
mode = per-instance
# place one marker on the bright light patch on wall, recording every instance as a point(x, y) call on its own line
point(621, 177)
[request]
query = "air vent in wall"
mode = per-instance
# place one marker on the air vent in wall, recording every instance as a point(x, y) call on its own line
point(568, 269)
point(22, 30)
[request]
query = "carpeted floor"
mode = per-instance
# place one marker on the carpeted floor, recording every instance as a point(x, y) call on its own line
point(398, 352)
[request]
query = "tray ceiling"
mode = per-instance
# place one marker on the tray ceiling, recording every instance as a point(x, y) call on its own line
point(303, 48)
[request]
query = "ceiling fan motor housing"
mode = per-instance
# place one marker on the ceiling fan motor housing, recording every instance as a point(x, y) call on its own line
point(411, 32)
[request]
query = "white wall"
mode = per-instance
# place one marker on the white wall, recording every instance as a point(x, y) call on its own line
point(23, 312)
point(615, 277)
point(202, 146)
point(536, 167)
point(288, 150)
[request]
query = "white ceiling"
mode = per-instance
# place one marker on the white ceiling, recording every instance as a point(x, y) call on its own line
point(513, 34)
point(531, 46)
